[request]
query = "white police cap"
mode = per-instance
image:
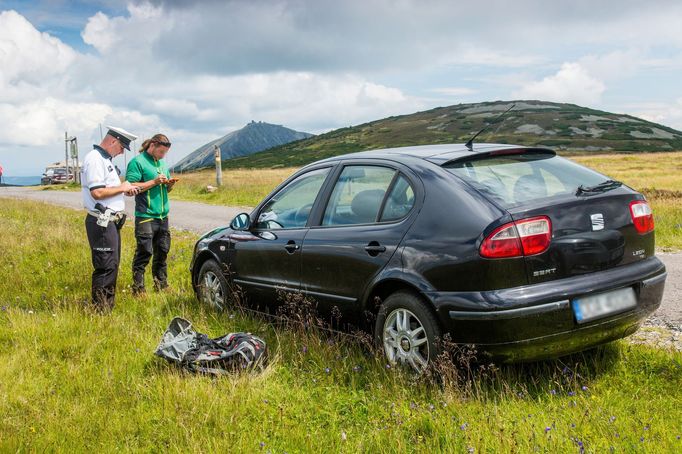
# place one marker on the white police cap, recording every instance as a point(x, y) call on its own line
point(122, 135)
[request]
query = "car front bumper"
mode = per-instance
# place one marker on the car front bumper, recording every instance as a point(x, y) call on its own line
point(537, 321)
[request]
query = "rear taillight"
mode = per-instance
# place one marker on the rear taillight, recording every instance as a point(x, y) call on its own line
point(642, 216)
point(518, 238)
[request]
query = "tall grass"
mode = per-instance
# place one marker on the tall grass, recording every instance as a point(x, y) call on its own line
point(74, 380)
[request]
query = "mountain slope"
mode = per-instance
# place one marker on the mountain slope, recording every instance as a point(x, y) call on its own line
point(561, 126)
point(252, 138)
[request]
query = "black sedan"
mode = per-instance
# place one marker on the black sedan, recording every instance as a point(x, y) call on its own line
point(523, 253)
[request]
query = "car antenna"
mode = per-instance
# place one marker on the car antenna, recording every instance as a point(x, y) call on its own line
point(470, 143)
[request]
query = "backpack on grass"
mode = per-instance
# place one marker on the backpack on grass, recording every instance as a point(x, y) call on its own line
point(195, 352)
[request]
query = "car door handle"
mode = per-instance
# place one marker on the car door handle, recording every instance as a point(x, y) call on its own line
point(291, 247)
point(374, 248)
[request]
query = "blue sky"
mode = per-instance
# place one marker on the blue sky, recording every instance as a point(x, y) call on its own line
point(198, 70)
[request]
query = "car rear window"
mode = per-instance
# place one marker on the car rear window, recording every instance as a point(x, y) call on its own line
point(520, 177)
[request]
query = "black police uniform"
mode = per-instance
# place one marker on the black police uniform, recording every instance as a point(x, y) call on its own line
point(105, 241)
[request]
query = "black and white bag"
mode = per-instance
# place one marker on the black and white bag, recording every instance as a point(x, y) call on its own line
point(194, 351)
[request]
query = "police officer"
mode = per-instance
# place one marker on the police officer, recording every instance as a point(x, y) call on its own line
point(149, 172)
point(103, 199)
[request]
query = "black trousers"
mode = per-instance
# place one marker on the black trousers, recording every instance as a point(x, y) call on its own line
point(105, 247)
point(153, 239)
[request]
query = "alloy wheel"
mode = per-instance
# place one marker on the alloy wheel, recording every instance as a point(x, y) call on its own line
point(405, 340)
point(213, 291)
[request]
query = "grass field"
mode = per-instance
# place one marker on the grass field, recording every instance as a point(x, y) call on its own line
point(73, 380)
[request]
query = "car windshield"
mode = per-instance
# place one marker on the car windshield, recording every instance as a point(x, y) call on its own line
point(523, 177)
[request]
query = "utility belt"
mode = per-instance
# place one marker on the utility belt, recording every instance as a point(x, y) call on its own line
point(105, 215)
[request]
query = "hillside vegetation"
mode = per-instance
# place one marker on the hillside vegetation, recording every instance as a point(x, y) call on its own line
point(561, 126)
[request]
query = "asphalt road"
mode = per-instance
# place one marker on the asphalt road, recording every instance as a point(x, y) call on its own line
point(200, 218)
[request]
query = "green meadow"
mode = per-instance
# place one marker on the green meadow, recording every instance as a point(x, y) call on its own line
point(74, 380)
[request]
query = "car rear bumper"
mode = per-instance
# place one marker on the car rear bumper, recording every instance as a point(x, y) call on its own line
point(537, 321)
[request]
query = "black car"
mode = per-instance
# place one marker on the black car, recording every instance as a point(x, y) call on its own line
point(523, 253)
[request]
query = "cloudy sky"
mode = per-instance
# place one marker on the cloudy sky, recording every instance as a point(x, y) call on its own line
point(196, 70)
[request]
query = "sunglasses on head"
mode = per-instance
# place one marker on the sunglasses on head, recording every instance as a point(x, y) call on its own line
point(163, 144)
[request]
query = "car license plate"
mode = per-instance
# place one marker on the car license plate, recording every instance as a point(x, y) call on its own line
point(595, 306)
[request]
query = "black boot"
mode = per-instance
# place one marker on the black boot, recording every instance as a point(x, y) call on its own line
point(138, 284)
point(160, 285)
point(103, 299)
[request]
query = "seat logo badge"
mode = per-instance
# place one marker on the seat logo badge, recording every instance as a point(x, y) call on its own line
point(597, 221)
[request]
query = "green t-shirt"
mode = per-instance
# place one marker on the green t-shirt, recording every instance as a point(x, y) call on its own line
point(152, 203)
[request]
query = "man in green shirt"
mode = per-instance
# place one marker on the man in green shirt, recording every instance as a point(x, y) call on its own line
point(149, 172)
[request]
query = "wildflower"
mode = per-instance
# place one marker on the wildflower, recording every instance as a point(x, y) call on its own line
point(646, 427)
point(262, 444)
point(388, 366)
point(612, 418)
point(584, 388)
point(304, 349)
point(552, 392)
point(547, 429)
point(571, 393)
point(327, 370)
point(641, 438)
point(520, 393)
point(470, 449)
point(431, 407)
point(463, 426)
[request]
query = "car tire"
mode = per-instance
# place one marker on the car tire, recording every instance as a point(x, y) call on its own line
point(212, 286)
point(412, 344)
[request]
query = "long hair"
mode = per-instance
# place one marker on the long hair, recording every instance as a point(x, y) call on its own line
point(155, 139)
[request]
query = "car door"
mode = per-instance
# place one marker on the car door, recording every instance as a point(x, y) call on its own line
point(266, 259)
point(360, 228)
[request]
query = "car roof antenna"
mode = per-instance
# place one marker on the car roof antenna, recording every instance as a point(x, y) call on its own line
point(470, 143)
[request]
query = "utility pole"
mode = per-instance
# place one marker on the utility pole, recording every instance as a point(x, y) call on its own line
point(74, 156)
point(66, 154)
point(73, 141)
point(218, 167)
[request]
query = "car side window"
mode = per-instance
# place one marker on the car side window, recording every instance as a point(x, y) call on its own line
point(399, 202)
point(357, 195)
point(291, 206)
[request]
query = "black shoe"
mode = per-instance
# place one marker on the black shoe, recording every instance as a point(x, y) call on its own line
point(138, 284)
point(103, 299)
point(160, 285)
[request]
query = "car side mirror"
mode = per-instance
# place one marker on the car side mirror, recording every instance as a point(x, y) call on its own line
point(241, 222)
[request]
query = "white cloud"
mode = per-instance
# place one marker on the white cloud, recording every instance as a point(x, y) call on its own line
point(454, 91)
point(572, 83)
point(669, 114)
point(27, 55)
